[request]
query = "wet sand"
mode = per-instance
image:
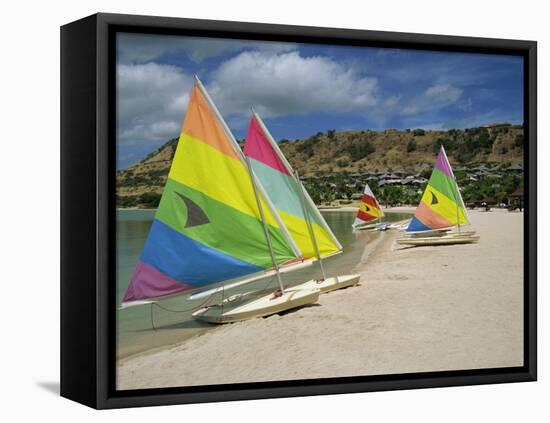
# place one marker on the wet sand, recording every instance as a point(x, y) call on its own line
point(416, 309)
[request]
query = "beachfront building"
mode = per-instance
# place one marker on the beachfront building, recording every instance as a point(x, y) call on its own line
point(516, 200)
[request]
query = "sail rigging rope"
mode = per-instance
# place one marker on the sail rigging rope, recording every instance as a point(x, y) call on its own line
point(194, 308)
point(268, 283)
point(201, 305)
point(270, 280)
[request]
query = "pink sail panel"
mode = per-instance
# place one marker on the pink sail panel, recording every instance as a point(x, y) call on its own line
point(258, 147)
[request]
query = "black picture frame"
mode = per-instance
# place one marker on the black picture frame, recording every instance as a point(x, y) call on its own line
point(88, 236)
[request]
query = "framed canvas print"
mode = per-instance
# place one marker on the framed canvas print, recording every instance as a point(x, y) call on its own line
point(258, 211)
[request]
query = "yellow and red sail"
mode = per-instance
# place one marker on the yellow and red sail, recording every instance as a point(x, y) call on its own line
point(369, 209)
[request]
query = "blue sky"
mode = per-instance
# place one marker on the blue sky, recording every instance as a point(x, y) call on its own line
point(301, 89)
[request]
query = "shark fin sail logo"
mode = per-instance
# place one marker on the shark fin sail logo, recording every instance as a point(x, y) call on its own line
point(434, 199)
point(195, 215)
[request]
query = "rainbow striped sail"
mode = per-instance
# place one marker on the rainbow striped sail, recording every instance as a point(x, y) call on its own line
point(278, 178)
point(441, 205)
point(208, 227)
point(369, 209)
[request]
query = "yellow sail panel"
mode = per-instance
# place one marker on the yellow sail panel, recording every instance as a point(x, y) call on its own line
point(216, 174)
point(369, 209)
point(298, 229)
point(442, 205)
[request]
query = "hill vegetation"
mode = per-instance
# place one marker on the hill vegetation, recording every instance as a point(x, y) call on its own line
point(348, 152)
point(409, 150)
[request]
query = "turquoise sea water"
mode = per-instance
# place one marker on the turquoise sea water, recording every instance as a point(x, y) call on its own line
point(172, 317)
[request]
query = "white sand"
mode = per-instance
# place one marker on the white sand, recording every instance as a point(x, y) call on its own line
point(417, 309)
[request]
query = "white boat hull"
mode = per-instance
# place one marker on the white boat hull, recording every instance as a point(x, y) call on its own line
point(329, 284)
point(461, 234)
point(366, 226)
point(373, 227)
point(260, 307)
point(426, 234)
point(443, 240)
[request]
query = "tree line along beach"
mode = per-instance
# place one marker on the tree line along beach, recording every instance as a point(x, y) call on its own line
point(334, 166)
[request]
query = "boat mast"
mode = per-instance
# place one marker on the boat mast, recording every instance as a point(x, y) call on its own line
point(309, 225)
point(462, 202)
point(457, 208)
point(378, 204)
point(266, 230)
point(456, 189)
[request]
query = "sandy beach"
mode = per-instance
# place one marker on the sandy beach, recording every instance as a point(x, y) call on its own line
point(416, 309)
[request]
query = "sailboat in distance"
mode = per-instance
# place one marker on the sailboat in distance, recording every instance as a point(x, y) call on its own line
point(370, 214)
point(214, 223)
point(306, 225)
point(441, 209)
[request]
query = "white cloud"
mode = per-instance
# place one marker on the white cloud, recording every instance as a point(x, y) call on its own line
point(443, 93)
point(287, 83)
point(142, 48)
point(152, 98)
point(433, 98)
point(151, 102)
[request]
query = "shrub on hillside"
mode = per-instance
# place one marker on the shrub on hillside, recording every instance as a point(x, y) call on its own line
point(360, 150)
point(518, 141)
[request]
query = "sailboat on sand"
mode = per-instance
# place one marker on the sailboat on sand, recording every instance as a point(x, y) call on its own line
point(215, 223)
point(441, 215)
point(369, 216)
point(306, 225)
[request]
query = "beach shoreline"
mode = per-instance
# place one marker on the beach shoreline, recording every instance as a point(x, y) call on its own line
point(415, 310)
point(349, 208)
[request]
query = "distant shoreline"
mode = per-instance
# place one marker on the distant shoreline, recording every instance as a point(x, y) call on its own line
point(133, 209)
point(397, 209)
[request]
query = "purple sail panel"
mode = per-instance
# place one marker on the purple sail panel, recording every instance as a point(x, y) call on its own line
point(443, 165)
point(148, 282)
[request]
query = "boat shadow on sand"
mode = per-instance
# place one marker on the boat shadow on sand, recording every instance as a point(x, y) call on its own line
point(293, 310)
point(185, 324)
point(397, 247)
point(197, 324)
